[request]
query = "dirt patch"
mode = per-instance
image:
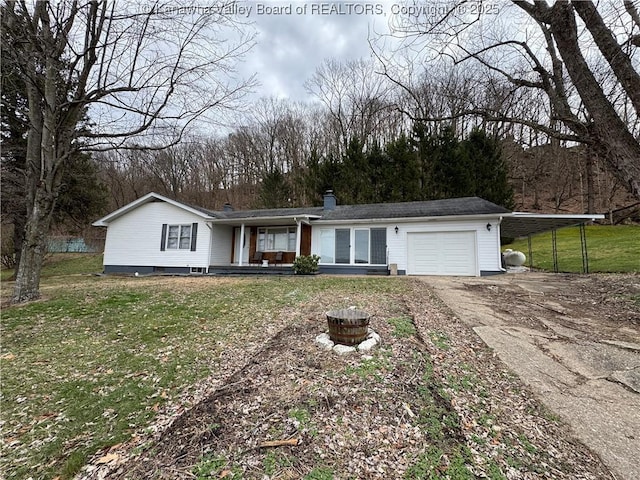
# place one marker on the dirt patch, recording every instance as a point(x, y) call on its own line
point(574, 339)
point(579, 302)
point(433, 400)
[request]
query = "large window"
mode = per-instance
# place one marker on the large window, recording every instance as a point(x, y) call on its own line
point(378, 246)
point(179, 237)
point(370, 245)
point(362, 246)
point(281, 239)
point(327, 245)
point(343, 245)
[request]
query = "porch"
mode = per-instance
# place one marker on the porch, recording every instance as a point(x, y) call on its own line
point(251, 270)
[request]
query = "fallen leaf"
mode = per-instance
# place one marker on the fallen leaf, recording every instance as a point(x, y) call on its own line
point(8, 356)
point(108, 458)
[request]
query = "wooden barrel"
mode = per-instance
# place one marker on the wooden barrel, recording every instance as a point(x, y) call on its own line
point(347, 326)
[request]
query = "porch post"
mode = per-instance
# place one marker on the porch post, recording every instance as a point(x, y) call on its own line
point(298, 237)
point(241, 244)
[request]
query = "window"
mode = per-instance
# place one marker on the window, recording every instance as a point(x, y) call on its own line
point(179, 237)
point(185, 236)
point(173, 236)
point(281, 239)
point(343, 245)
point(379, 246)
point(362, 246)
point(327, 245)
point(370, 245)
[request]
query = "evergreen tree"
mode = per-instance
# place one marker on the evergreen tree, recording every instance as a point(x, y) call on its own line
point(380, 173)
point(451, 173)
point(275, 191)
point(403, 173)
point(82, 196)
point(330, 177)
point(488, 168)
point(421, 143)
point(354, 186)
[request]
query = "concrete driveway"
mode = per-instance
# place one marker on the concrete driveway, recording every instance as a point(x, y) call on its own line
point(575, 340)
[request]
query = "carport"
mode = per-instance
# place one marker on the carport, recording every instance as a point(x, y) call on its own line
point(522, 224)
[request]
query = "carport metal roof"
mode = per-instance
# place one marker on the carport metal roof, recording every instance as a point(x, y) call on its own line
point(522, 224)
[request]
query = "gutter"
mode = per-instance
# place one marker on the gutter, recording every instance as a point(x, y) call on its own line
point(410, 219)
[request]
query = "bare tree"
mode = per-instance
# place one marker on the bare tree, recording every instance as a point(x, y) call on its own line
point(134, 73)
point(356, 98)
point(592, 93)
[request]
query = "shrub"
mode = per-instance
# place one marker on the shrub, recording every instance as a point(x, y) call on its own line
point(306, 264)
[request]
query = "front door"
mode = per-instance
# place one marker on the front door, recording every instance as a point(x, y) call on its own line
point(242, 245)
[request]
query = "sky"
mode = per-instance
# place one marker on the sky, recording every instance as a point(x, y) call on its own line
point(294, 38)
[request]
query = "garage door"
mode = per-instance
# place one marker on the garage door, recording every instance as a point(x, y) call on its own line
point(441, 253)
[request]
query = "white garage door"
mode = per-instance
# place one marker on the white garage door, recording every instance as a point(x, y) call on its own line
point(441, 253)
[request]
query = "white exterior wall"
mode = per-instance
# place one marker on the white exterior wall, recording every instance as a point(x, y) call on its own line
point(221, 243)
point(488, 242)
point(134, 239)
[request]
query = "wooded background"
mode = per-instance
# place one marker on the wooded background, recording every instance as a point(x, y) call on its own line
point(529, 104)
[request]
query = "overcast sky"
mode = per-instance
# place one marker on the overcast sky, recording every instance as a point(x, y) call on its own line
point(294, 38)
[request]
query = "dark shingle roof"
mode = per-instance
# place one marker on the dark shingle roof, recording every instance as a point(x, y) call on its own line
point(269, 212)
point(431, 208)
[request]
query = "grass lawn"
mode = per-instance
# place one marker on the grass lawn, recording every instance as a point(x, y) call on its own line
point(91, 363)
point(66, 264)
point(610, 249)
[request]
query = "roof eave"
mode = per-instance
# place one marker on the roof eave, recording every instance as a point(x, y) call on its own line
point(104, 221)
point(261, 220)
point(433, 218)
point(581, 216)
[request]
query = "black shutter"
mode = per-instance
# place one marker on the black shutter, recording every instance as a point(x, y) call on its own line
point(194, 236)
point(163, 239)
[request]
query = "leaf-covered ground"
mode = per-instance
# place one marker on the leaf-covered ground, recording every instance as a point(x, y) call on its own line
point(93, 363)
point(431, 402)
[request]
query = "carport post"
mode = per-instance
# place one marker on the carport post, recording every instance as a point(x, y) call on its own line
point(530, 252)
point(554, 245)
point(583, 244)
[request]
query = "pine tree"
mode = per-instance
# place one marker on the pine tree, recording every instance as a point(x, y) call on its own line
point(488, 168)
point(275, 191)
point(403, 175)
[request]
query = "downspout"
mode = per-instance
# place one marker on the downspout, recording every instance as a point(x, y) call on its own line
point(210, 227)
point(499, 231)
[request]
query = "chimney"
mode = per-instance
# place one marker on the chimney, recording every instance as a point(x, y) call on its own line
point(227, 207)
point(329, 200)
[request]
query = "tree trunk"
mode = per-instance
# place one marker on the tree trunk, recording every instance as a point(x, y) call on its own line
point(19, 224)
point(45, 160)
point(27, 286)
point(612, 139)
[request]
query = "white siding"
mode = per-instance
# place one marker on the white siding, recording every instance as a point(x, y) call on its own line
point(488, 242)
point(221, 243)
point(134, 238)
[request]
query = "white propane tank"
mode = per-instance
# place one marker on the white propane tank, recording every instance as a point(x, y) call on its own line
point(514, 258)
